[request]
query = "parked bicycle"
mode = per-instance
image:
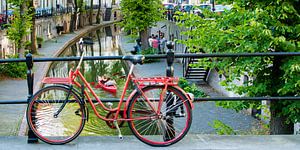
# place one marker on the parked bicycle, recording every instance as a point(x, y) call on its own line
point(158, 112)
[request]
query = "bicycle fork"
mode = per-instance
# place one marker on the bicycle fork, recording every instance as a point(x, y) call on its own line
point(64, 104)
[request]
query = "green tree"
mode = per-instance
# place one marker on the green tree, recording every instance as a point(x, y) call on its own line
point(98, 13)
point(32, 28)
point(73, 21)
point(81, 8)
point(20, 24)
point(139, 15)
point(254, 26)
point(91, 12)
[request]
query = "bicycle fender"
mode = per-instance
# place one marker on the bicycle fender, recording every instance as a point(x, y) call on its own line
point(127, 102)
point(82, 101)
point(190, 99)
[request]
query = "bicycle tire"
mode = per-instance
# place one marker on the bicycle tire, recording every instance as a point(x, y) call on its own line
point(59, 129)
point(159, 131)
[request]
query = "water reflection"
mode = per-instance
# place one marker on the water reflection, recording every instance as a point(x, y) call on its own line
point(106, 43)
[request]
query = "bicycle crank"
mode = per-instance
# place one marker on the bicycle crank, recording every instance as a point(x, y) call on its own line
point(119, 131)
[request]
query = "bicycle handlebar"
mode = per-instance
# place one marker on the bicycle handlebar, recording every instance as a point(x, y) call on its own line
point(135, 59)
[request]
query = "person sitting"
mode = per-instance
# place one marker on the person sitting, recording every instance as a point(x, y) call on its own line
point(106, 81)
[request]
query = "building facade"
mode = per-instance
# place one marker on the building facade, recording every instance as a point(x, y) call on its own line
point(47, 25)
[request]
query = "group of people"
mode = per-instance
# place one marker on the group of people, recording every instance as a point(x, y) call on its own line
point(158, 43)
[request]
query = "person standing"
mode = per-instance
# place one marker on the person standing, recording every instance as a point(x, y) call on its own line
point(163, 41)
point(158, 39)
point(150, 41)
point(155, 44)
point(137, 48)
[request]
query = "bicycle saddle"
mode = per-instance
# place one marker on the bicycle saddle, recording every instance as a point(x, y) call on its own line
point(135, 59)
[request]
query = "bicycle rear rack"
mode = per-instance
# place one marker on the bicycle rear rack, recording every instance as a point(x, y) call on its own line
point(173, 81)
point(49, 80)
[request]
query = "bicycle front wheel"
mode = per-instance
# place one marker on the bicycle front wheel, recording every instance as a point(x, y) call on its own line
point(161, 125)
point(56, 115)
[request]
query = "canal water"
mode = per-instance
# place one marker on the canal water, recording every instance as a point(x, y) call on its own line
point(105, 43)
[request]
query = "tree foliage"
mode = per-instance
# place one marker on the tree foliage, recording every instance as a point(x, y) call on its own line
point(253, 26)
point(20, 23)
point(138, 15)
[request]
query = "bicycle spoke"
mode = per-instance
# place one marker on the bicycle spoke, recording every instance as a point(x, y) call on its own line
point(146, 129)
point(174, 106)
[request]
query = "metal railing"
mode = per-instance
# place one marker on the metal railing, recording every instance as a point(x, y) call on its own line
point(170, 56)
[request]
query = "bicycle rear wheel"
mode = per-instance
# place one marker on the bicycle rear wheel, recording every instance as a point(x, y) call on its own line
point(162, 127)
point(50, 124)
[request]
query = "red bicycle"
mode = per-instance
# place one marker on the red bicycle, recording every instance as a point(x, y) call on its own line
point(158, 112)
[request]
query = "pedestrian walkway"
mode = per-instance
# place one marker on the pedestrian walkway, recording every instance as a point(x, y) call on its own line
point(13, 120)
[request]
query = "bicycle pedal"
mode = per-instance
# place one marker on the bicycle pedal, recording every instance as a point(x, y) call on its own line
point(121, 137)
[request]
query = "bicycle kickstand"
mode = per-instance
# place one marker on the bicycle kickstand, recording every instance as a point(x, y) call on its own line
point(119, 131)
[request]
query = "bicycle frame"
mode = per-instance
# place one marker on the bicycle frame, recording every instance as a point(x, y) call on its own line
point(117, 110)
point(73, 75)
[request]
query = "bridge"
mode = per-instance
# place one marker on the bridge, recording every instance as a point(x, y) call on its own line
point(191, 141)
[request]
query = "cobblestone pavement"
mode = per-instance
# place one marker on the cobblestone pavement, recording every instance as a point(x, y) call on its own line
point(11, 115)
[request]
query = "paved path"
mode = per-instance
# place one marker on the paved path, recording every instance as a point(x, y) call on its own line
point(11, 115)
point(190, 142)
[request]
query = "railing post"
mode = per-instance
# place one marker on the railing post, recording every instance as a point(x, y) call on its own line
point(29, 62)
point(170, 131)
point(170, 59)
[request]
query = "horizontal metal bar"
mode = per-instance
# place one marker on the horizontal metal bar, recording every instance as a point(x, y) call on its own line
point(157, 56)
point(297, 98)
point(13, 102)
point(12, 60)
point(237, 54)
point(25, 101)
point(78, 58)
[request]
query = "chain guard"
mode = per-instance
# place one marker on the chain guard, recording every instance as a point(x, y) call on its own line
point(111, 115)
